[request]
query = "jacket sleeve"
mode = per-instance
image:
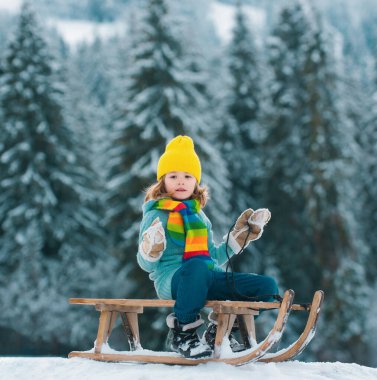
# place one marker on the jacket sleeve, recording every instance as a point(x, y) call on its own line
point(218, 252)
point(146, 222)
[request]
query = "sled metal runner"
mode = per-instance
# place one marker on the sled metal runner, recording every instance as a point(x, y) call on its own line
point(227, 312)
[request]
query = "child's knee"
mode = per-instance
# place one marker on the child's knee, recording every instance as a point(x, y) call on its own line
point(270, 285)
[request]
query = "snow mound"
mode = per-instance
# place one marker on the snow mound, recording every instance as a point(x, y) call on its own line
point(81, 369)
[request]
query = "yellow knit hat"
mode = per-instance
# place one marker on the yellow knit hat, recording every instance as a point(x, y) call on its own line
point(180, 156)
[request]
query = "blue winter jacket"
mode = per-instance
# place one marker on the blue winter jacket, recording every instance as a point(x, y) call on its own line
point(162, 271)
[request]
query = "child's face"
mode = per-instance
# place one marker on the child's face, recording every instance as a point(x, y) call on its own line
point(180, 184)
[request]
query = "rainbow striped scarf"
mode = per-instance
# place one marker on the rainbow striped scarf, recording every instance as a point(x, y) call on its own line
point(186, 228)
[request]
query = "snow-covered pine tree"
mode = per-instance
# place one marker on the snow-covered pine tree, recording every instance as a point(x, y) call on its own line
point(368, 171)
point(240, 124)
point(310, 160)
point(89, 86)
point(52, 246)
point(6, 22)
point(361, 95)
point(92, 62)
point(160, 98)
point(242, 105)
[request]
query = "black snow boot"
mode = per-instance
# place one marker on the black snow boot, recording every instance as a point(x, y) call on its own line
point(183, 338)
point(209, 335)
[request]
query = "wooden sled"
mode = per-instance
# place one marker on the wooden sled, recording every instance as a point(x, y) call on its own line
point(227, 312)
point(304, 339)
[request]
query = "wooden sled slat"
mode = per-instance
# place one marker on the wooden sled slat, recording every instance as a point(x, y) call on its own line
point(307, 335)
point(249, 356)
point(170, 303)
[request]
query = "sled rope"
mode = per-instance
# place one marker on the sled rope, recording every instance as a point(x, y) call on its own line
point(277, 297)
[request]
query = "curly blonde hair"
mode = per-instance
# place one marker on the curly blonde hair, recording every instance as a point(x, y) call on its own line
point(158, 191)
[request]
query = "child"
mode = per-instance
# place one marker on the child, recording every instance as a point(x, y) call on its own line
point(177, 249)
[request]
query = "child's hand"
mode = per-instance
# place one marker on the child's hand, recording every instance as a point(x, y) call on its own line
point(255, 220)
point(153, 243)
point(260, 217)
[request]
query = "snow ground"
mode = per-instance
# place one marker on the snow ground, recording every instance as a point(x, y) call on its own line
point(82, 369)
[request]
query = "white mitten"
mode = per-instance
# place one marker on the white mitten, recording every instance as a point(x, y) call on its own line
point(259, 218)
point(240, 236)
point(153, 242)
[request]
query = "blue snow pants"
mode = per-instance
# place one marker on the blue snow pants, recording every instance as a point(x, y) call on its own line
point(194, 283)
